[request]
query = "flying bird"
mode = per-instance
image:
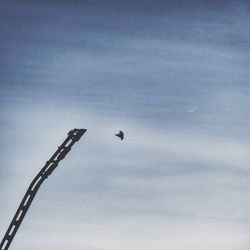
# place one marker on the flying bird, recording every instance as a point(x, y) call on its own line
point(120, 135)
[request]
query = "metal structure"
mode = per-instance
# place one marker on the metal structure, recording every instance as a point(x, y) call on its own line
point(73, 136)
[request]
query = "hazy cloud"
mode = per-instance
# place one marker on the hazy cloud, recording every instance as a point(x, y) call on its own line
point(179, 179)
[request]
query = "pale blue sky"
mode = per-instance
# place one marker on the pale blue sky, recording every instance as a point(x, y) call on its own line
point(174, 75)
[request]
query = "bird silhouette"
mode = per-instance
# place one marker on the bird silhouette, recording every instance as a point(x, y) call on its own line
point(120, 135)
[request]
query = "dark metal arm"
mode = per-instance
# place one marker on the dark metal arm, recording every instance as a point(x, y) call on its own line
point(73, 136)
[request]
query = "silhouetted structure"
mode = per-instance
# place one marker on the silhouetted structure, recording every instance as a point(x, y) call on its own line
point(73, 136)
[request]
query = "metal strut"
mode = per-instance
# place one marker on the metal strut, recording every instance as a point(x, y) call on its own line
point(73, 136)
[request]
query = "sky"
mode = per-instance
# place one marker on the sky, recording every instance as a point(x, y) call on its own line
point(174, 76)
